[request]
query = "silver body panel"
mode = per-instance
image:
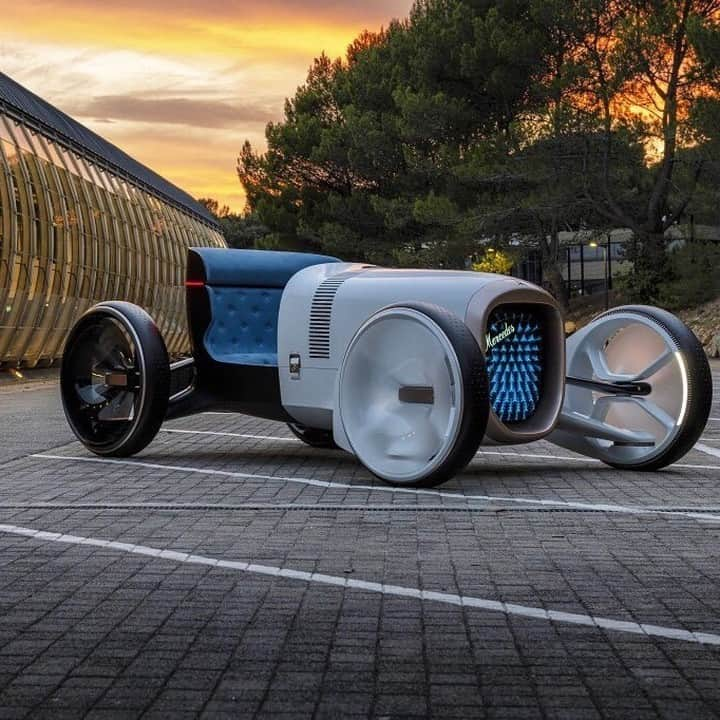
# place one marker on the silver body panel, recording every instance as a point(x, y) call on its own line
point(357, 292)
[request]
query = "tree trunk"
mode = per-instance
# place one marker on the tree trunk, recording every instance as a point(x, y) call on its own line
point(552, 275)
point(650, 268)
point(556, 284)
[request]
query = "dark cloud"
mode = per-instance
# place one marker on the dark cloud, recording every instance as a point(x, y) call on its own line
point(174, 110)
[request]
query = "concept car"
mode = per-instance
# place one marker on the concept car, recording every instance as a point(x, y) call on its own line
point(409, 370)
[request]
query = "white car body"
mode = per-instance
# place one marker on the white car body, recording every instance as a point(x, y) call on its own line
point(329, 304)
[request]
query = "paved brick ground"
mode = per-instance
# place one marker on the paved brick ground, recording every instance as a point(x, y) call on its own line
point(116, 631)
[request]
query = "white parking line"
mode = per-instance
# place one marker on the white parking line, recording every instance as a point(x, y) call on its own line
point(600, 507)
point(229, 434)
point(308, 506)
point(707, 450)
point(321, 506)
point(289, 506)
point(465, 601)
point(540, 456)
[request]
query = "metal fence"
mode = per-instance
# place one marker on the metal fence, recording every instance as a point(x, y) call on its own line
point(587, 268)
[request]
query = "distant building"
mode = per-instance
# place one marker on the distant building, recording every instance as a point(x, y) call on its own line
point(588, 260)
point(80, 222)
point(593, 258)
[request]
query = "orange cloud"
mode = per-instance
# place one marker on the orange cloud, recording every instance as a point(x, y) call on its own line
point(196, 29)
point(179, 84)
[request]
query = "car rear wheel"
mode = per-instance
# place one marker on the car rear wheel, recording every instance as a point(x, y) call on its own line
point(115, 379)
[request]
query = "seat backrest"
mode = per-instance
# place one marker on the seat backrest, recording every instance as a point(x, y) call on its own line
point(243, 329)
point(251, 268)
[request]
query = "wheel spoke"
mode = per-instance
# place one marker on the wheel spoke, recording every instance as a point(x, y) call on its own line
point(120, 408)
point(600, 368)
point(89, 394)
point(603, 404)
point(656, 412)
point(656, 365)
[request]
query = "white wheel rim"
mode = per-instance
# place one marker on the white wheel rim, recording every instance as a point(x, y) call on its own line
point(398, 440)
point(631, 347)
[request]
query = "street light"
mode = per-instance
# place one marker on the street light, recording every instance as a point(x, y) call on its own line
point(606, 253)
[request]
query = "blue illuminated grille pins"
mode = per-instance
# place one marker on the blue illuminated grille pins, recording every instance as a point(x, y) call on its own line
point(514, 361)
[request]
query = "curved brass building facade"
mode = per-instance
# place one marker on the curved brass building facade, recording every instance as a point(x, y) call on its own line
point(80, 222)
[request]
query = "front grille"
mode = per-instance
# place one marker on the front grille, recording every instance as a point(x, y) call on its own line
point(515, 362)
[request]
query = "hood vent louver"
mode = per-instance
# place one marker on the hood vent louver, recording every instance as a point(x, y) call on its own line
point(321, 314)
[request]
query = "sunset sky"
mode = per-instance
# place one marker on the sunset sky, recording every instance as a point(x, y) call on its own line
point(179, 85)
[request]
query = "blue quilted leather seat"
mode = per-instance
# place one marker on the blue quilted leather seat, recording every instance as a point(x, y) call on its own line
point(245, 287)
point(244, 325)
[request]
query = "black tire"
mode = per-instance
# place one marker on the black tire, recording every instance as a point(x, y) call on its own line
point(475, 388)
point(314, 437)
point(476, 403)
point(700, 390)
point(121, 337)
